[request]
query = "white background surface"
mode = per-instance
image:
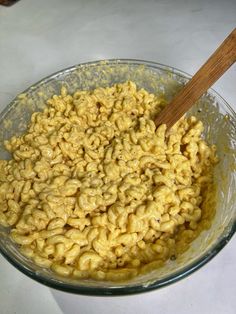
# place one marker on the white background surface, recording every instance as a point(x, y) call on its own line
point(41, 37)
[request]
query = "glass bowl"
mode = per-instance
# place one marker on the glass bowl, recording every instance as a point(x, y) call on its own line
point(219, 120)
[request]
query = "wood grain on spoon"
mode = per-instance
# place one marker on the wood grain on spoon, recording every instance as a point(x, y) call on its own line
point(208, 74)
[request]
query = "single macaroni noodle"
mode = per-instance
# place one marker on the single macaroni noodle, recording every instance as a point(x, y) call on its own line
point(94, 189)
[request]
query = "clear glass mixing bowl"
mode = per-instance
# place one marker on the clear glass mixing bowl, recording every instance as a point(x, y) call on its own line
point(220, 122)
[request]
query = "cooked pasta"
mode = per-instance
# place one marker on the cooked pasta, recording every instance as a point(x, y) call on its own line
point(94, 189)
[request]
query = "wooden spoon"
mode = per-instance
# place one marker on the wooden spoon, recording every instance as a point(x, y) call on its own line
point(206, 76)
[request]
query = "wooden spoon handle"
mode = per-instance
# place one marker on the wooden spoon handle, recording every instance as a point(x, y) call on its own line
point(208, 74)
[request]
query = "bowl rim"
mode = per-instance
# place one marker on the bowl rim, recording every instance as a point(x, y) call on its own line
point(139, 288)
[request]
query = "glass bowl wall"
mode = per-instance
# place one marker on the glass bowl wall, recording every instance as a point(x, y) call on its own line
point(219, 120)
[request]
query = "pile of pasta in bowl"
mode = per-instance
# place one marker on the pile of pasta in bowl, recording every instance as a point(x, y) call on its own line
point(95, 190)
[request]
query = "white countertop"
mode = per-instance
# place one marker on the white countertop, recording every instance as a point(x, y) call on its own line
point(41, 37)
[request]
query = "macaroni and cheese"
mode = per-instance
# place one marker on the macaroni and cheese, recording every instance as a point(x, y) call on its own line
point(94, 189)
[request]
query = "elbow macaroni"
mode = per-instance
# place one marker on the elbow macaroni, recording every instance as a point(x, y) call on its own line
point(94, 189)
